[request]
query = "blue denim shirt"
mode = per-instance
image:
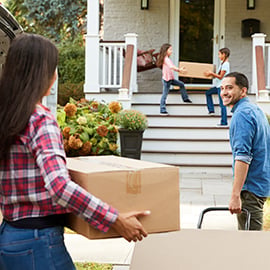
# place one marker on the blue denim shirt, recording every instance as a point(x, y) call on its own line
point(250, 143)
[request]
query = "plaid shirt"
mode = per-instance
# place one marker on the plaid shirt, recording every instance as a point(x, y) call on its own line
point(34, 181)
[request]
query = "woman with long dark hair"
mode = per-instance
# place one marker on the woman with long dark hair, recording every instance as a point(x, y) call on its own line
point(35, 188)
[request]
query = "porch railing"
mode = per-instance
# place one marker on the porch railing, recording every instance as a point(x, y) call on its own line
point(111, 63)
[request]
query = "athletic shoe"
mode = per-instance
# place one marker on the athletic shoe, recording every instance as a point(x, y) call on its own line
point(188, 101)
point(164, 113)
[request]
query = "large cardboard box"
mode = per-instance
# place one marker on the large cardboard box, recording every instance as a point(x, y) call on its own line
point(196, 70)
point(203, 250)
point(129, 184)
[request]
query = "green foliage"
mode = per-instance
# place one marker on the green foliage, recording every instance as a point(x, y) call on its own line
point(71, 66)
point(69, 90)
point(53, 18)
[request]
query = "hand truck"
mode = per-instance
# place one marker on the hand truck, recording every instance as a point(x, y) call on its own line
point(199, 225)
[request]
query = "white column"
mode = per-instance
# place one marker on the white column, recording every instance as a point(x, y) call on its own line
point(131, 38)
point(51, 100)
point(92, 48)
point(257, 40)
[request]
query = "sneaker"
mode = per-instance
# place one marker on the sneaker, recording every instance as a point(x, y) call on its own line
point(220, 125)
point(188, 100)
point(164, 113)
point(211, 113)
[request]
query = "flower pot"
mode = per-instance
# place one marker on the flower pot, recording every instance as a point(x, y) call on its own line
point(131, 143)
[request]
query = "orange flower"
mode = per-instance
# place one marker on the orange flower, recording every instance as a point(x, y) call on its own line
point(102, 131)
point(94, 106)
point(113, 146)
point(66, 131)
point(115, 107)
point(70, 109)
point(86, 149)
point(74, 142)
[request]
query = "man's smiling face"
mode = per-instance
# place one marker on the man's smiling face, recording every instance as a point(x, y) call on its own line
point(230, 92)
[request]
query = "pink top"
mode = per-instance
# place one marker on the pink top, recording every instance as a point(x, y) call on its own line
point(167, 72)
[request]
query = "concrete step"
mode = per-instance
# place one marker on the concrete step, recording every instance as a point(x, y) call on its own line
point(188, 158)
point(185, 120)
point(177, 109)
point(212, 146)
point(197, 96)
point(186, 132)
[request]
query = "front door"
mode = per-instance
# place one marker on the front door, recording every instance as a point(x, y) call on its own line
point(200, 33)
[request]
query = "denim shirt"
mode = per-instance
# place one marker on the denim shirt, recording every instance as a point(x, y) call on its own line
point(250, 143)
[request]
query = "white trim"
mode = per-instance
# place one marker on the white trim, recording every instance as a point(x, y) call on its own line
point(219, 29)
point(92, 48)
point(174, 20)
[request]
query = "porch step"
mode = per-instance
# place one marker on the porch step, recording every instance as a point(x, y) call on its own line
point(188, 137)
point(187, 145)
point(176, 108)
point(184, 132)
point(187, 120)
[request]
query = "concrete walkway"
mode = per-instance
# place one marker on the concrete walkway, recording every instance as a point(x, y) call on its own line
point(197, 191)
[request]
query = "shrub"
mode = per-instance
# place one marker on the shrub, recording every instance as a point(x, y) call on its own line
point(88, 127)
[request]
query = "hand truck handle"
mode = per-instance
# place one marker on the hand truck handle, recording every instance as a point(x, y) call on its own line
point(199, 225)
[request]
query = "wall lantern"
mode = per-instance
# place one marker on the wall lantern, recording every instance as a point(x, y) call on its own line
point(250, 4)
point(145, 4)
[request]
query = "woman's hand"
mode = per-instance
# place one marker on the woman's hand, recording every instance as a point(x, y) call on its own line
point(129, 227)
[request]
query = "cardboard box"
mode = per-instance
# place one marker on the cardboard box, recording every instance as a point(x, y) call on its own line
point(128, 184)
point(196, 70)
point(202, 250)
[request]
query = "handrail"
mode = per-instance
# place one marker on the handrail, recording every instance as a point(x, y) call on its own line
point(260, 68)
point(127, 67)
point(111, 63)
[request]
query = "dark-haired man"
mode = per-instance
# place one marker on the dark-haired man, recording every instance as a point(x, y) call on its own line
point(250, 143)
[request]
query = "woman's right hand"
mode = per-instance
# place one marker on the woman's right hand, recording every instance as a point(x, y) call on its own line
point(129, 227)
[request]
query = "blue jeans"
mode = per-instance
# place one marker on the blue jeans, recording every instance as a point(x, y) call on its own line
point(33, 249)
point(166, 89)
point(210, 104)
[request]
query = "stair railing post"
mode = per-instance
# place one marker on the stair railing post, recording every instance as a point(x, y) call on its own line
point(258, 39)
point(131, 38)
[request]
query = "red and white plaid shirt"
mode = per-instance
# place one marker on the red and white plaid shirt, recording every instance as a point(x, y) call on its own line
point(34, 181)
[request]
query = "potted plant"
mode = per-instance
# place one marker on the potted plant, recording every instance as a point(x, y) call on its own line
point(132, 124)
